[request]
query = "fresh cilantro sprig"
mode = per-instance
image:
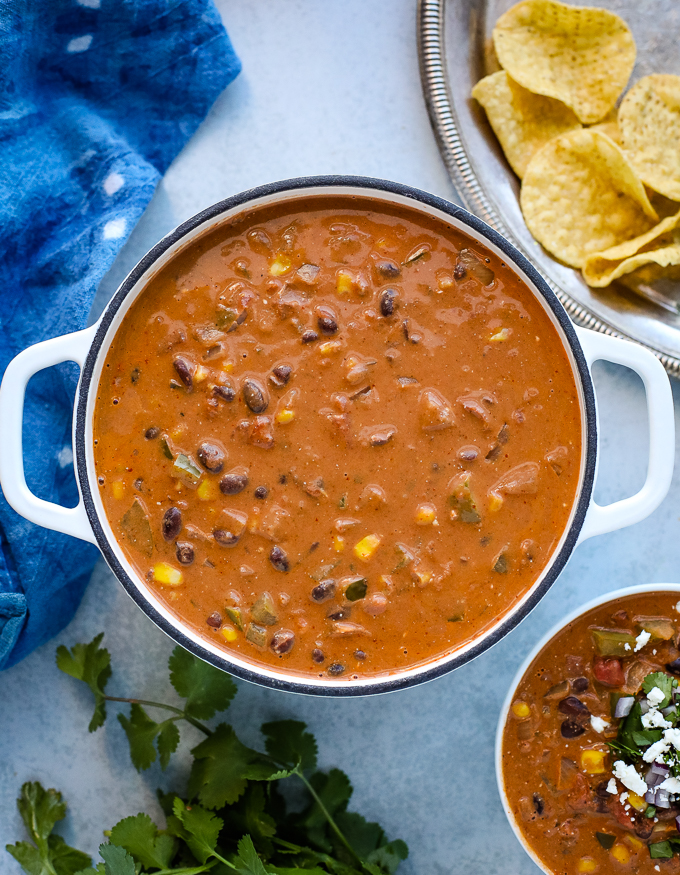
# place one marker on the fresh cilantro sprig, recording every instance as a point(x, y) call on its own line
point(232, 819)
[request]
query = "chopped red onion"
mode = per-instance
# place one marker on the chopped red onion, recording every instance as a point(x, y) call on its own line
point(653, 779)
point(623, 706)
point(677, 822)
point(644, 706)
point(650, 797)
point(667, 711)
point(662, 799)
point(660, 768)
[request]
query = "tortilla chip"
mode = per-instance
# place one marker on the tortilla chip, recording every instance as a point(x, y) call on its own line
point(610, 126)
point(577, 54)
point(649, 118)
point(522, 121)
point(580, 195)
point(660, 246)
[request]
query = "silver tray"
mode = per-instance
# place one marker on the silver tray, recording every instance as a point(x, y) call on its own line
point(452, 38)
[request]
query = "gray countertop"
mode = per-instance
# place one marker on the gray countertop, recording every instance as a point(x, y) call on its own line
point(327, 87)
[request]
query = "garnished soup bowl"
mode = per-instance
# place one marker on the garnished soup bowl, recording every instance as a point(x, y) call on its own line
point(89, 349)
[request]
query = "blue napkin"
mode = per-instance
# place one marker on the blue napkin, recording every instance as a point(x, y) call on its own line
point(96, 99)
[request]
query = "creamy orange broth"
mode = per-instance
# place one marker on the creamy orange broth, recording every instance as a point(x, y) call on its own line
point(338, 437)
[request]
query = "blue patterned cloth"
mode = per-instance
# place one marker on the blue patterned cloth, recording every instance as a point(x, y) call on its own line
point(96, 99)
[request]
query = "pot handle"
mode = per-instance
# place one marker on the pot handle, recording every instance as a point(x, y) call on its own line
point(661, 417)
point(68, 348)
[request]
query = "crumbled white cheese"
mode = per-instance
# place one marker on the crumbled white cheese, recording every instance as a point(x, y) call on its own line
point(670, 785)
point(654, 652)
point(623, 797)
point(626, 646)
point(598, 724)
point(630, 778)
point(656, 750)
point(654, 719)
point(673, 736)
point(611, 786)
point(641, 640)
point(658, 868)
point(677, 607)
point(655, 696)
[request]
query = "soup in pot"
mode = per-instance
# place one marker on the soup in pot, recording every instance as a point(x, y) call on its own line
point(338, 437)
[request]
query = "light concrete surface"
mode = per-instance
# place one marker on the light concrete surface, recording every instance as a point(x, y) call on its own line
point(327, 87)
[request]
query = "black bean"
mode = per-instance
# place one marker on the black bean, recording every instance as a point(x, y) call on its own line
point(388, 302)
point(225, 392)
point(185, 370)
point(261, 492)
point(226, 538)
point(579, 685)
point(279, 559)
point(468, 454)
point(601, 789)
point(387, 268)
point(573, 707)
point(233, 483)
point(211, 457)
point(326, 321)
point(324, 590)
point(572, 729)
point(539, 804)
point(214, 620)
point(152, 433)
point(359, 654)
point(340, 613)
point(644, 829)
point(309, 336)
point(185, 552)
point(280, 375)
point(336, 668)
point(172, 523)
point(674, 667)
point(459, 272)
point(255, 395)
point(282, 641)
point(317, 655)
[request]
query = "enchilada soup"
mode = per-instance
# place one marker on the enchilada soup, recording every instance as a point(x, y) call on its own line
point(338, 435)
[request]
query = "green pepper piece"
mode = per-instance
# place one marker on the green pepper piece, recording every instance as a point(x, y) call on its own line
point(263, 611)
point(186, 470)
point(605, 839)
point(164, 444)
point(501, 564)
point(225, 316)
point(660, 628)
point(456, 618)
point(356, 589)
point(234, 615)
point(650, 811)
point(612, 642)
point(256, 635)
point(324, 571)
point(135, 523)
point(462, 501)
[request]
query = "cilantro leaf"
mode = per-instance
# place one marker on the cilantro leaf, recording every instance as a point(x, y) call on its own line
point(222, 768)
point(363, 836)
point(167, 741)
point(28, 857)
point(91, 664)
point(288, 742)
point(201, 829)
point(389, 856)
point(206, 689)
point(660, 850)
point(140, 837)
point(117, 861)
point(40, 810)
point(646, 737)
point(334, 790)
point(141, 732)
point(247, 862)
point(66, 860)
point(625, 737)
point(661, 680)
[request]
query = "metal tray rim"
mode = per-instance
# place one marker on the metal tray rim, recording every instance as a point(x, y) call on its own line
point(434, 79)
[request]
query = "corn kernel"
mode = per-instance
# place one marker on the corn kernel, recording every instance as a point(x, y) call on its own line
point(495, 502)
point(344, 282)
point(445, 283)
point(338, 543)
point(118, 489)
point(587, 864)
point(637, 802)
point(280, 265)
point(329, 347)
point(201, 374)
point(366, 547)
point(207, 491)
point(521, 710)
point(501, 335)
point(167, 575)
point(421, 576)
point(426, 514)
point(592, 762)
point(283, 417)
point(228, 366)
point(632, 840)
point(229, 633)
point(620, 853)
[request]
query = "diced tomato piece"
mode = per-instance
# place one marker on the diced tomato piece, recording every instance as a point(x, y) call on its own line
point(608, 671)
point(623, 816)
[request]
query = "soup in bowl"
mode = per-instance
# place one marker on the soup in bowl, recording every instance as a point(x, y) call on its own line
point(338, 436)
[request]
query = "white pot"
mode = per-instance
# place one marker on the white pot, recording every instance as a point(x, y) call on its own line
point(89, 348)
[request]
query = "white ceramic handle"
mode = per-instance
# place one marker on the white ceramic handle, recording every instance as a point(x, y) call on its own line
point(69, 348)
point(600, 520)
